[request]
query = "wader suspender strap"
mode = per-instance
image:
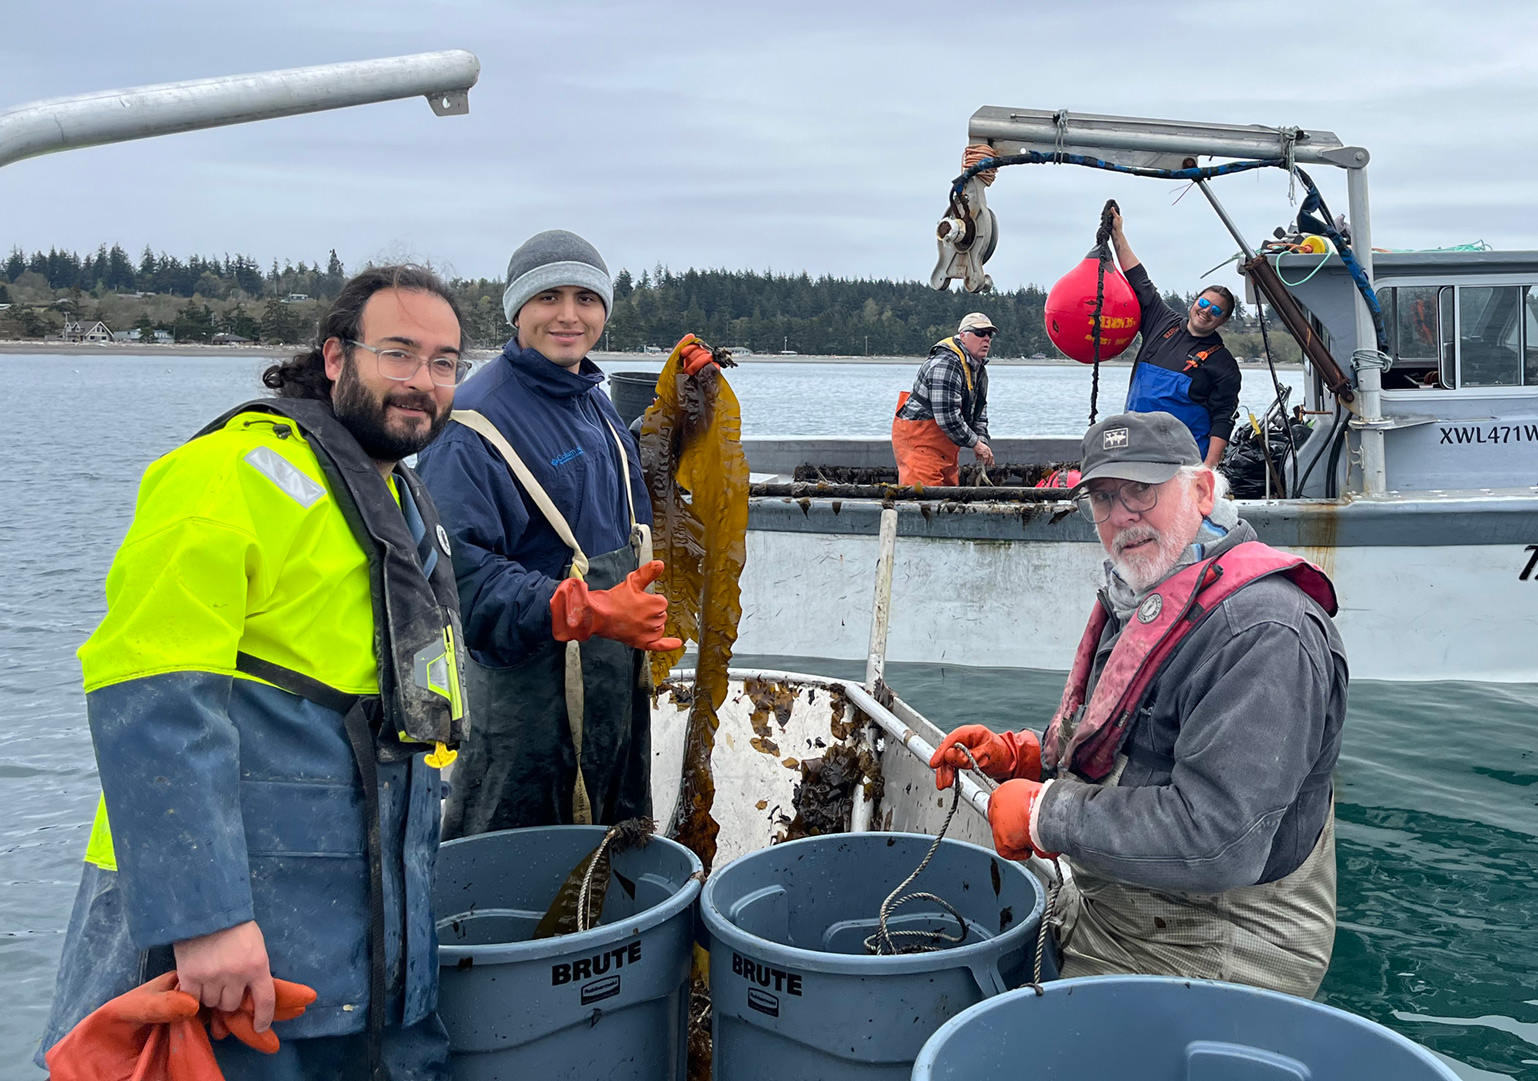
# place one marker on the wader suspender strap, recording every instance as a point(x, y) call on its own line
point(581, 806)
point(361, 736)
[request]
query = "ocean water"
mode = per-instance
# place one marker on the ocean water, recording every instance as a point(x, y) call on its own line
point(1438, 783)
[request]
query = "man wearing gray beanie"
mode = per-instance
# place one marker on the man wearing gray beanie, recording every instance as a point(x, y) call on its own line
point(539, 486)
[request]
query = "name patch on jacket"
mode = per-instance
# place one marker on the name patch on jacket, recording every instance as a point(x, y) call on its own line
point(562, 459)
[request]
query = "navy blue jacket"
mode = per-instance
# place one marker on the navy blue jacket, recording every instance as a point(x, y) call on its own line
point(507, 558)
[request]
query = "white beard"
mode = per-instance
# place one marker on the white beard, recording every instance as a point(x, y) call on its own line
point(1143, 569)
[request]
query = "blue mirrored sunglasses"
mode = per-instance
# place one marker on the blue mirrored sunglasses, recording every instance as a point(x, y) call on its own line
point(1204, 304)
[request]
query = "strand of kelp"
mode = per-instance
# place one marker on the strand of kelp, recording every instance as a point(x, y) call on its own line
point(697, 475)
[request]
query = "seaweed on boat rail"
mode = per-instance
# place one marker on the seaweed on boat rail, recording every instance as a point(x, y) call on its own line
point(908, 493)
point(1006, 474)
point(697, 476)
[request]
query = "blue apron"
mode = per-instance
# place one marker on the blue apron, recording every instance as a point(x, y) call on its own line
point(1158, 390)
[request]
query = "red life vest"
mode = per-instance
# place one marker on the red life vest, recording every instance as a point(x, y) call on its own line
point(1161, 622)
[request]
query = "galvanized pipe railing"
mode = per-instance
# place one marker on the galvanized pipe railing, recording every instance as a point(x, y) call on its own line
point(113, 116)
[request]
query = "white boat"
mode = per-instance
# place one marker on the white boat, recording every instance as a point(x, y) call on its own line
point(1419, 495)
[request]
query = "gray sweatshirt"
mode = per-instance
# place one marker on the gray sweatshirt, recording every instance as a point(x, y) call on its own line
point(1228, 778)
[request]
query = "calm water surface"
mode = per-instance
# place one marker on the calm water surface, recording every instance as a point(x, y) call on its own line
point(1438, 783)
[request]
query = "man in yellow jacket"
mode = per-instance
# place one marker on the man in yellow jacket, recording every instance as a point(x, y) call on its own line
point(271, 694)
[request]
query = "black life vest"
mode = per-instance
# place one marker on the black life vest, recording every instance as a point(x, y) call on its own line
point(418, 641)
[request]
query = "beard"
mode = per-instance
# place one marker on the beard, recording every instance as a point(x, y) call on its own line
point(1144, 568)
point(367, 417)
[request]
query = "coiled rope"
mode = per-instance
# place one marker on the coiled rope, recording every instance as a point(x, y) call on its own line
point(885, 942)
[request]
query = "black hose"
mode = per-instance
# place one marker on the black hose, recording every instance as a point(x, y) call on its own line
point(1331, 484)
point(1276, 383)
point(1341, 413)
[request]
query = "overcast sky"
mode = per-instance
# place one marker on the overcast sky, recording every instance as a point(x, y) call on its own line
point(789, 136)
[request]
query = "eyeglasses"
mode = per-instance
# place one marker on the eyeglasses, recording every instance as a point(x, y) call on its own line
point(400, 365)
point(1136, 496)
point(1203, 304)
point(986, 332)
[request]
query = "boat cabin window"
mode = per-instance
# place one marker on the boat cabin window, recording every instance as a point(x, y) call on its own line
point(1446, 336)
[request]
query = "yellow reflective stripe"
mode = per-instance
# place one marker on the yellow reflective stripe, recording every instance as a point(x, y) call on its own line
point(98, 849)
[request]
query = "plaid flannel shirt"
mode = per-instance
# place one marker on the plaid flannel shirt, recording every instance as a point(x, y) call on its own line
point(938, 395)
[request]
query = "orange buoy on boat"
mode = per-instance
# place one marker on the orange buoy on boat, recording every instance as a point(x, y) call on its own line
point(1070, 310)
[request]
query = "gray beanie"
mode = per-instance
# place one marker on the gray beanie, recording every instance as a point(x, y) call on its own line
point(550, 259)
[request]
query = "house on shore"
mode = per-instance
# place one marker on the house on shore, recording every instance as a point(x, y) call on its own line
point(83, 331)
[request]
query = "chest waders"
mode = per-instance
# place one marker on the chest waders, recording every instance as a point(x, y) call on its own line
point(521, 765)
point(417, 641)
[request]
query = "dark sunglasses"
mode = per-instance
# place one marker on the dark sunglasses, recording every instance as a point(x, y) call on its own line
point(1203, 304)
point(987, 332)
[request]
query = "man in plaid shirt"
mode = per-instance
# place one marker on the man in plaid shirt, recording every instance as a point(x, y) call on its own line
point(947, 408)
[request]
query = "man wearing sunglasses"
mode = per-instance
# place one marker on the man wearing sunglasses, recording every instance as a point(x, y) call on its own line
point(1186, 776)
point(1182, 366)
point(271, 695)
point(947, 409)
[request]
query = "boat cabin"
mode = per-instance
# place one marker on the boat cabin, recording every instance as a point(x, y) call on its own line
point(1460, 389)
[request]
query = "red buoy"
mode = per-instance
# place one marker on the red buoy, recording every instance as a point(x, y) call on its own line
point(1071, 310)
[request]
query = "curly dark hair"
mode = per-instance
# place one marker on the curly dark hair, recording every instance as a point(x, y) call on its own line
point(304, 375)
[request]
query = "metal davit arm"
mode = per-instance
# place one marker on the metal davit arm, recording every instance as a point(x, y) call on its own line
point(114, 116)
point(1142, 141)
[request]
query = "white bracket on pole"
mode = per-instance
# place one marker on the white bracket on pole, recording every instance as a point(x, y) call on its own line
point(114, 116)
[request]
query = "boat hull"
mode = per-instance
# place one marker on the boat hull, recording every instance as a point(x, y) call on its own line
point(1440, 586)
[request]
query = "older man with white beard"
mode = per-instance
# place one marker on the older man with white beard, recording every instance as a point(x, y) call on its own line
point(1186, 776)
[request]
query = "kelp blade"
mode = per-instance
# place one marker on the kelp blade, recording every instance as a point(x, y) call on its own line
point(697, 475)
point(561, 917)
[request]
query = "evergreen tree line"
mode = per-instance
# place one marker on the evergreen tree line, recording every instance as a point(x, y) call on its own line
point(111, 270)
point(761, 311)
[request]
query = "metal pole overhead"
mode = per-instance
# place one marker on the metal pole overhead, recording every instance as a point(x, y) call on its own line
point(114, 116)
point(1157, 143)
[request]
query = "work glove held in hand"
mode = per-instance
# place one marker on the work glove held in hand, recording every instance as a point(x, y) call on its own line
point(1001, 755)
point(1011, 810)
point(625, 613)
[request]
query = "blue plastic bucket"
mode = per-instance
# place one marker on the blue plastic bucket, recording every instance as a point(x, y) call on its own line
point(794, 993)
point(1157, 1028)
point(608, 1002)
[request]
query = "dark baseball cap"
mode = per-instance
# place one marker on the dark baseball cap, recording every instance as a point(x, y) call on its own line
point(1147, 447)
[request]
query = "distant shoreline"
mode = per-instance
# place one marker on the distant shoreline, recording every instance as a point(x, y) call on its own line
point(610, 361)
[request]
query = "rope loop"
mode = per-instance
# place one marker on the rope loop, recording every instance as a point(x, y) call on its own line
point(884, 943)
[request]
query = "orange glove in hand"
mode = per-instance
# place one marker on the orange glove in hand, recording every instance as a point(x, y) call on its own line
point(1001, 755)
point(290, 1001)
point(626, 613)
point(1012, 813)
point(156, 1031)
point(696, 358)
point(152, 1031)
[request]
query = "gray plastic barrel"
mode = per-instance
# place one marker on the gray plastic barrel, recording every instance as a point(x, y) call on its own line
point(632, 393)
point(1156, 1028)
point(608, 1002)
point(794, 994)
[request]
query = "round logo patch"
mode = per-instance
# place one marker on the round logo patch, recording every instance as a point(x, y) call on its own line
point(1149, 610)
point(443, 539)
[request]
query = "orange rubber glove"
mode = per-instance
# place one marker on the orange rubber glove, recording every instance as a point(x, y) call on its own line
point(626, 613)
point(152, 1031)
point(1001, 755)
point(291, 1000)
point(980, 152)
point(696, 358)
point(1012, 813)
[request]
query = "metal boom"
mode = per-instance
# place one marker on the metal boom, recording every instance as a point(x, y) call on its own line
point(114, 116)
